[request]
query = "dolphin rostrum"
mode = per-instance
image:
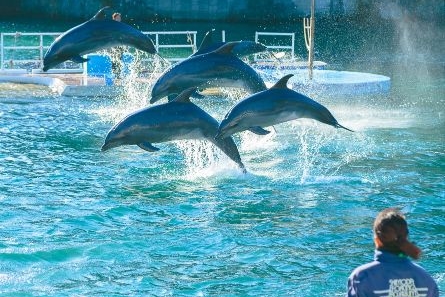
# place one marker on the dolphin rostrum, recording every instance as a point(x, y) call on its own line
point(219, 68)
point(93, 35)
point(176, 120)
point(274, 106)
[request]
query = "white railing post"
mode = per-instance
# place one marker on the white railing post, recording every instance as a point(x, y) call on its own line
point(293, 46)
point(157, 42)
point(41, 50)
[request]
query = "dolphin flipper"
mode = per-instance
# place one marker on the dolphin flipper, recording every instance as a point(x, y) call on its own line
point(171, 97)
point(184, 96)
point(79, 59)
point(147, 146)
point(258, 130)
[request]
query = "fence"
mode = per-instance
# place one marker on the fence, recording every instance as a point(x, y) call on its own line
point(26, 50)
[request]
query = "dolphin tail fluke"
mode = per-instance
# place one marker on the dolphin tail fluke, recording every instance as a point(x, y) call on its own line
point(343, 127)
point(105, 147)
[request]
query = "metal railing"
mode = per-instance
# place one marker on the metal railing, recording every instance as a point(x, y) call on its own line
point(190, 44)
point(29, 56)
point(285, 44)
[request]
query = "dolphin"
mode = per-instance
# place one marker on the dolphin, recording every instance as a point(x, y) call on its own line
point(220, 68)
point(175, 120)
point(93, 35)
point(274, 106)
point(241, 49)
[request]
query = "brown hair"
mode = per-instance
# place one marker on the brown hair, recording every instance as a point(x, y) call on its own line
point(116, 14)
point(391, 231)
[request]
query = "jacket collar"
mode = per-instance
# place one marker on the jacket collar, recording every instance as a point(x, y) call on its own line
point(385, 256)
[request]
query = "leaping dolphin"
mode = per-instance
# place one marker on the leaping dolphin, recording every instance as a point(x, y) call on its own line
point(220, 68)
point(93, 35)
point(274, 106)
point(176, 120)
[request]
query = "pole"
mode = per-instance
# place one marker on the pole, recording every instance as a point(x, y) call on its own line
point(309, 34)
point(311, 43)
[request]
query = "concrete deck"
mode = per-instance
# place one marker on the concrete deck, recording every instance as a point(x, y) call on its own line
point(65, 84)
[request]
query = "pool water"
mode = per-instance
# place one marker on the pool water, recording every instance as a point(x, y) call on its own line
point(185, 221)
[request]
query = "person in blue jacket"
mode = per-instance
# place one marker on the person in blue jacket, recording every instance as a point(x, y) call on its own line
point(392, 273)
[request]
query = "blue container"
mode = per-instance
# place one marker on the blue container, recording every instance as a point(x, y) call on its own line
point(127, 59)
point(99, 65)
point(108, 79)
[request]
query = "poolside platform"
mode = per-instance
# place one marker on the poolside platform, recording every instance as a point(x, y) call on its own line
point(65, 84)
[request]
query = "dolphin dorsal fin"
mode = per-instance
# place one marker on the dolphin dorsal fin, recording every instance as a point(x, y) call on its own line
point(100, 15)
point(184, 96)
point(227, 48)
point(282, 83)
point(207, 40)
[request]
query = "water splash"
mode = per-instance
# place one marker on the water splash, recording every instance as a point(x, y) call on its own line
point(309, 151)
point(319, 153)
point(233, 94)
point(250, 141)
point(138, 78)
point(203, 159)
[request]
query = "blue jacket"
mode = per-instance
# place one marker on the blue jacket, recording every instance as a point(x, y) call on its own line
point(391, 275)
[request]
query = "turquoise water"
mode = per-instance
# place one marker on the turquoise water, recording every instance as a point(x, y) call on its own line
point(185, 222)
